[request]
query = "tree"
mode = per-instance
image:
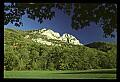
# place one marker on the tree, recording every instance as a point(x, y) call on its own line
point(112, 57)
point(103, 14)
point(10, 58)
point(34, 56)
point(24, 58)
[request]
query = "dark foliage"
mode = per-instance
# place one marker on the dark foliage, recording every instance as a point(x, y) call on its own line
point(103, 14)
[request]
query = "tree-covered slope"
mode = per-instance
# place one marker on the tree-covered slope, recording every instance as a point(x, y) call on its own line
point(103, 46)
point(22, 53)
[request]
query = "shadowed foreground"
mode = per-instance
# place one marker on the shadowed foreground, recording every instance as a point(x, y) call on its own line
point(93, 72)
point(82, 74)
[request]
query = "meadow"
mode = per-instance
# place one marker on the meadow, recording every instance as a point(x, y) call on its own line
point(62, 74)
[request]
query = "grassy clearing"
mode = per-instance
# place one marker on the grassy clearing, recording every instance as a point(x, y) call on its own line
point(82, 74)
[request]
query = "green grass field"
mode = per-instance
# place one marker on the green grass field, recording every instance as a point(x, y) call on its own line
point(82, 74)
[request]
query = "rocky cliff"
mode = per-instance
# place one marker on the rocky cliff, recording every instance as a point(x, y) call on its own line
point(49, 37)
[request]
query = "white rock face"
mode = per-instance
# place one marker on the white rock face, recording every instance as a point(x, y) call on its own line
point(50, 34)
point(27, 36)
point(40, 40)
point(70, 39)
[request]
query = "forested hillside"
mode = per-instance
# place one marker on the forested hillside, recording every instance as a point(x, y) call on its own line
point(22, 53)
point(103, 46)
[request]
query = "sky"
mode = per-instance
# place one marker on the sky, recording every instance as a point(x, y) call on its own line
point(61, 23)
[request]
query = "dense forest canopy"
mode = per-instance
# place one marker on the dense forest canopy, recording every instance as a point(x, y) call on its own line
point(24, 54)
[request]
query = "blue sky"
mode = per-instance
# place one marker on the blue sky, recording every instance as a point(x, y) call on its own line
point(62, 23)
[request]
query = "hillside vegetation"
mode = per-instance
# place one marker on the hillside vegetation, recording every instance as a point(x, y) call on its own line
point(22, 53)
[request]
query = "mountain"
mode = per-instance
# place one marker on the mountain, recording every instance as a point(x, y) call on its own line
point(49, 37)
point(45, 49)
